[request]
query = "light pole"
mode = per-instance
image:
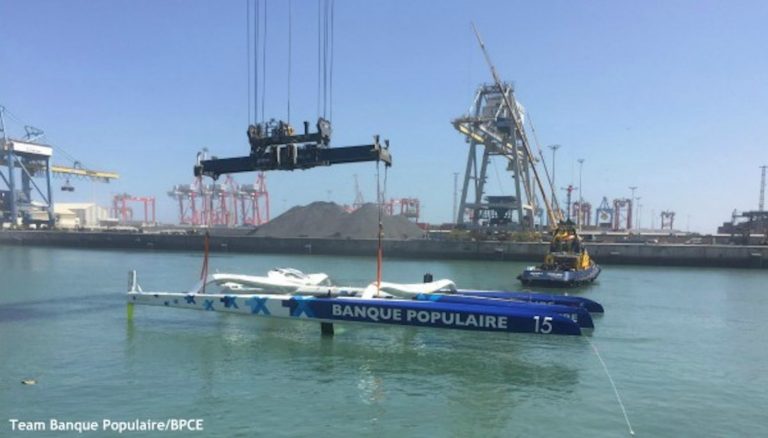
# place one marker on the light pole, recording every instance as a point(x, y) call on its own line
point(581, 199)
point(568, 190)
point(761, 204)
point(632, 201)
point(554, 148)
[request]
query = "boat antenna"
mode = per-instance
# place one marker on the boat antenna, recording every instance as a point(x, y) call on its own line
point(204, 270)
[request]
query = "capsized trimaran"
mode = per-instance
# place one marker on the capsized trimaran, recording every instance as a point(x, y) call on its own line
point(290, 294)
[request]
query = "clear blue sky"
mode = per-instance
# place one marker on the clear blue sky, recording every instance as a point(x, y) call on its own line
point(670, 96)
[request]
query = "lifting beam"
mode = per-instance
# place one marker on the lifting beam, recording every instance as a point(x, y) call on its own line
point(275, 146)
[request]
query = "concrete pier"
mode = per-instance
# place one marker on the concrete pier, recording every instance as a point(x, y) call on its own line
point(734, 256)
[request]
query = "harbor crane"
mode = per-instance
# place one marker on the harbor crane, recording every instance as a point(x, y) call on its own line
point(497, 123)
point(275, 144)
point(32, 159)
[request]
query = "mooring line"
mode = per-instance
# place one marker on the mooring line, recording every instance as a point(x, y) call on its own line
point(613, 384)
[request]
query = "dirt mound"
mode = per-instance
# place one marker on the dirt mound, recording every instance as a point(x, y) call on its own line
point(364, 223)
point(318, 219)
point(329, 220)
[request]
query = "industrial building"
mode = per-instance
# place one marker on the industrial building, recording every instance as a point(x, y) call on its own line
point(82, 214)
point(744, 225)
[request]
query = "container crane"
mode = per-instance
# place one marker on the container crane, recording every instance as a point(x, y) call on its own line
point(32, 159)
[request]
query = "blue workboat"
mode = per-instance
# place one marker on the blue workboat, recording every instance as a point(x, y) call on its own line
point(567, 263)
point(437, 304)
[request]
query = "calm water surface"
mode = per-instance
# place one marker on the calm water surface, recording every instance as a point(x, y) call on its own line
point(687, 348)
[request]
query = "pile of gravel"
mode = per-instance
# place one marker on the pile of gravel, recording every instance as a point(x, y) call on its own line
point(329, 220)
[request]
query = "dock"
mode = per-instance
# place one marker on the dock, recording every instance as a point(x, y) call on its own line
point(660, 254)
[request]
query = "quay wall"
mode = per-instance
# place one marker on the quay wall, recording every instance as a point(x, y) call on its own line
point(604, 253)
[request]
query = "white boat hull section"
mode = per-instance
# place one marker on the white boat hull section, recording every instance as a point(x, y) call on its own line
point(255, 305)
point(413, 289)
point(281, 280)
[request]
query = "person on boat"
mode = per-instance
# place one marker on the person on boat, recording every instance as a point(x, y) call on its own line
point(576, 245)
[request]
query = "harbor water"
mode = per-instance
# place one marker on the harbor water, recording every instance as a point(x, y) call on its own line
point(686, 347)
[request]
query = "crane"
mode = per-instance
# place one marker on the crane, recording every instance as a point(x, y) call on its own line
point(553, 215)
point(275, 144)
point(77, 170)
point(32, 159)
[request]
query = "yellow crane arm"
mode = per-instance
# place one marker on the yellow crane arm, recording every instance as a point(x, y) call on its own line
point(88, 173)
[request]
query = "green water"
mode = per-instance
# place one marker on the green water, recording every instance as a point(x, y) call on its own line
point(687, 349)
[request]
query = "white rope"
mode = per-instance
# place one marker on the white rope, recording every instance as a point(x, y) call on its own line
point(330, 80)
point(264, 64)
point(256, 46)
point(319, 59)
point(290, 47)
point(248, 53)
point(615, 391)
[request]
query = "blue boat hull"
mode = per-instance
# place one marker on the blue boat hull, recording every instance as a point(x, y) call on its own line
point(580, 315)
point(467, 313)
point(531, 297)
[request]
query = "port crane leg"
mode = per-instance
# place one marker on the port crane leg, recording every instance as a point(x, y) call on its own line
point(51, 215)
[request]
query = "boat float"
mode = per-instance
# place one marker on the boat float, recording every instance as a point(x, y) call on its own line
point(292, 295)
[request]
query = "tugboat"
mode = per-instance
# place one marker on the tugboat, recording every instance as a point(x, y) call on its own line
point(566, 265)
